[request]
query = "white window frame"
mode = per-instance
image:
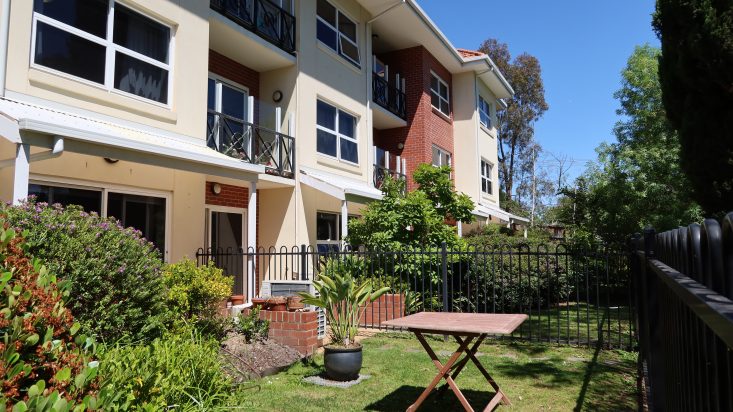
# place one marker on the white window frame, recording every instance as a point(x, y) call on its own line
point(442, 152)
point(340, 35)
point(105, 189)
point(437, 93)
point(339, 240)
point(486, 112)
point(487, 178)
point(338, 134)
point(111, 50)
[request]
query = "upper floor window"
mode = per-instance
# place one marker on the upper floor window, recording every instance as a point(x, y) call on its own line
point(439, 94)
point(337, 31)
point(336, 133)
point(441, 157)
point(484, 112)
point(486, 172)
point(103, 42)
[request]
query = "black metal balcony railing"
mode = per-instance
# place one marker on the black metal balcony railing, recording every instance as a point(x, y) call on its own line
point(388, 96)
point(251, 143)
point(262, 17)
point(381, 173)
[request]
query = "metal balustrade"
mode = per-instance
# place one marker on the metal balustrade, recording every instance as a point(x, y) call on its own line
point(388, 96)
point(262, 17)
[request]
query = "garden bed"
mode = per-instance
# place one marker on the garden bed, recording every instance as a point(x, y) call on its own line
point(244, 361)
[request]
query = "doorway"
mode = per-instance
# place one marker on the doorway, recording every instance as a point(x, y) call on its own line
point(227, 240)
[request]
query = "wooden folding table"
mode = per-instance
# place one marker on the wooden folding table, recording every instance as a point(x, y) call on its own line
point(465, 328)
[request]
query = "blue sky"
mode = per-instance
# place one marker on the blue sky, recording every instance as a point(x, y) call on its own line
point(582, 46)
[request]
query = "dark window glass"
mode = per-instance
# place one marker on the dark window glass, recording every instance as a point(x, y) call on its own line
point(140, 78)
point(434, 83)
point(346, 124)
point(435, 100)
point(347, 27)
point(87, 15)
point(379, 158)
point(327, 12)
point(326, 34)
point(326, 143)
point(326, 115)
point(141, 34)
point(349, 151)
point(89, 200)
point(68, 53)
point(233, 102)
point(211, 102)
point(327, 226)
point(350, 51)
point(144, 213)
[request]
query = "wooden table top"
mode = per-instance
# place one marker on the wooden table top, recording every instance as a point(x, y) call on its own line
point(468, 323)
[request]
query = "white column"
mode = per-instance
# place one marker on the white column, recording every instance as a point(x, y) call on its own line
point(459, 225)
point(251, 120)
point(22, 170)
point(251, 240)
point(344, 220)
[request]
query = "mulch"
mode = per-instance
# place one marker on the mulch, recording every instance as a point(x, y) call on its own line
point(245, 361)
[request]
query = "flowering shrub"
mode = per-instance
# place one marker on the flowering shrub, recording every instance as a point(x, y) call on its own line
point(195, 292)
point(43, 365)
point(114, 273)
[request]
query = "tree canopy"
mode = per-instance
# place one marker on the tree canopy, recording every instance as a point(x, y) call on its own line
point(414, 218)
point(637, 181)
point(696, 74)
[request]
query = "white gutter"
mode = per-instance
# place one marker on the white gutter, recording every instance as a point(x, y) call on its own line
point(4, 34)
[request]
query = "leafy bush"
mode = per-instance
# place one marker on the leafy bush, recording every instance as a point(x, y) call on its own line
point(43, 365)
point(114, 273)
point(196, 292)
point(180, 370)
point(251, 326)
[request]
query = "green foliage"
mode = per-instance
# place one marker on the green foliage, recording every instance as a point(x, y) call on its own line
point(414, 218)
point(697, 90)
point(251, 326)
point(113, 272)
point(180, 371)
point(344, 299)
point(44, 364)
point(195, 292)
point(638, 180)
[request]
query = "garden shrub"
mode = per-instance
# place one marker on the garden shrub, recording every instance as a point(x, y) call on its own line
point(44, 364)
point(180, 371)
point(195, 292)
point(251, 326)
point(114, 273)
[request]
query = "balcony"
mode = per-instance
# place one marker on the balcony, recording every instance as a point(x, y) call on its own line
point(385, 165)
point(263, 18)
point(251, 143)
point(381, 173)
point(388, 96)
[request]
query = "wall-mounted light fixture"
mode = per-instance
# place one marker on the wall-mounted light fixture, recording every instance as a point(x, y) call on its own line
point(277, 96)
point(216, 188)
point(111, 161)
point(400, 146)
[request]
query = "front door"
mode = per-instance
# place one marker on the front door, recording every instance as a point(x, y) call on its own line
point(226, 240)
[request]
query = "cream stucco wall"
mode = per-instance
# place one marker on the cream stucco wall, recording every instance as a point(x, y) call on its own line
point(187, 111)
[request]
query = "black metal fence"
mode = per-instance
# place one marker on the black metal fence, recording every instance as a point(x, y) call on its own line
point(263, 17)
point(572, 295)
point(685, 316)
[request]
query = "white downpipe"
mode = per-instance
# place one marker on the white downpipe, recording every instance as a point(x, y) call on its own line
point(251, 121)
point(4, 35)
point(251, 239)
point(344, 220)
point(21, 173)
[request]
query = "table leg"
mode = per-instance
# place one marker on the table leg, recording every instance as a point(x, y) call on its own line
point(462, 363)
point(443, 373)
point(500, 395)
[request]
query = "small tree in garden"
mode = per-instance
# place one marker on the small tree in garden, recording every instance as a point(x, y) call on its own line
point(114, 273)
point(416, 218)
point(42, 361)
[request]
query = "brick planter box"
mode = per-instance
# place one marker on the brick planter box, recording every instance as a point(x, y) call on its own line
point(389, 306)
point(299, 330)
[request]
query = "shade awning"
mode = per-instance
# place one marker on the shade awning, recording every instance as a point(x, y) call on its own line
point(487, 210)
point(340, 187)
point(37, 125)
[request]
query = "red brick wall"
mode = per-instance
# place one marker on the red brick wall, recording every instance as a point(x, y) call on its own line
point(389, 306)
point(299, 330)
point(425, 126)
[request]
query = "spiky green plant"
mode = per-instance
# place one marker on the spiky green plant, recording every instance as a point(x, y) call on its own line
point(344, 300)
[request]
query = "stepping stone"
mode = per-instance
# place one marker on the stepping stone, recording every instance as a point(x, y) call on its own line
point(323, 381)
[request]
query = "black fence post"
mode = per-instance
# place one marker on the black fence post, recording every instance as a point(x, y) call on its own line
point(444, 270)
point(655, 342)
point(303, 263)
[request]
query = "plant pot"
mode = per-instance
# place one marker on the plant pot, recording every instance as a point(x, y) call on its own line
point(259, 302)
point(342, 364)
point(277, 304)
point(295, 303)
point(237, 300)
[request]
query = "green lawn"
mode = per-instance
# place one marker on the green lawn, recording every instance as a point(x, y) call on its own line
point(536, 377)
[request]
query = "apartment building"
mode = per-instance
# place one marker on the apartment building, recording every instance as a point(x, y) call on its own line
point(238, 123)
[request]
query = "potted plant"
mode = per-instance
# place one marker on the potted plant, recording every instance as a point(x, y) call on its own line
point(343, 299)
